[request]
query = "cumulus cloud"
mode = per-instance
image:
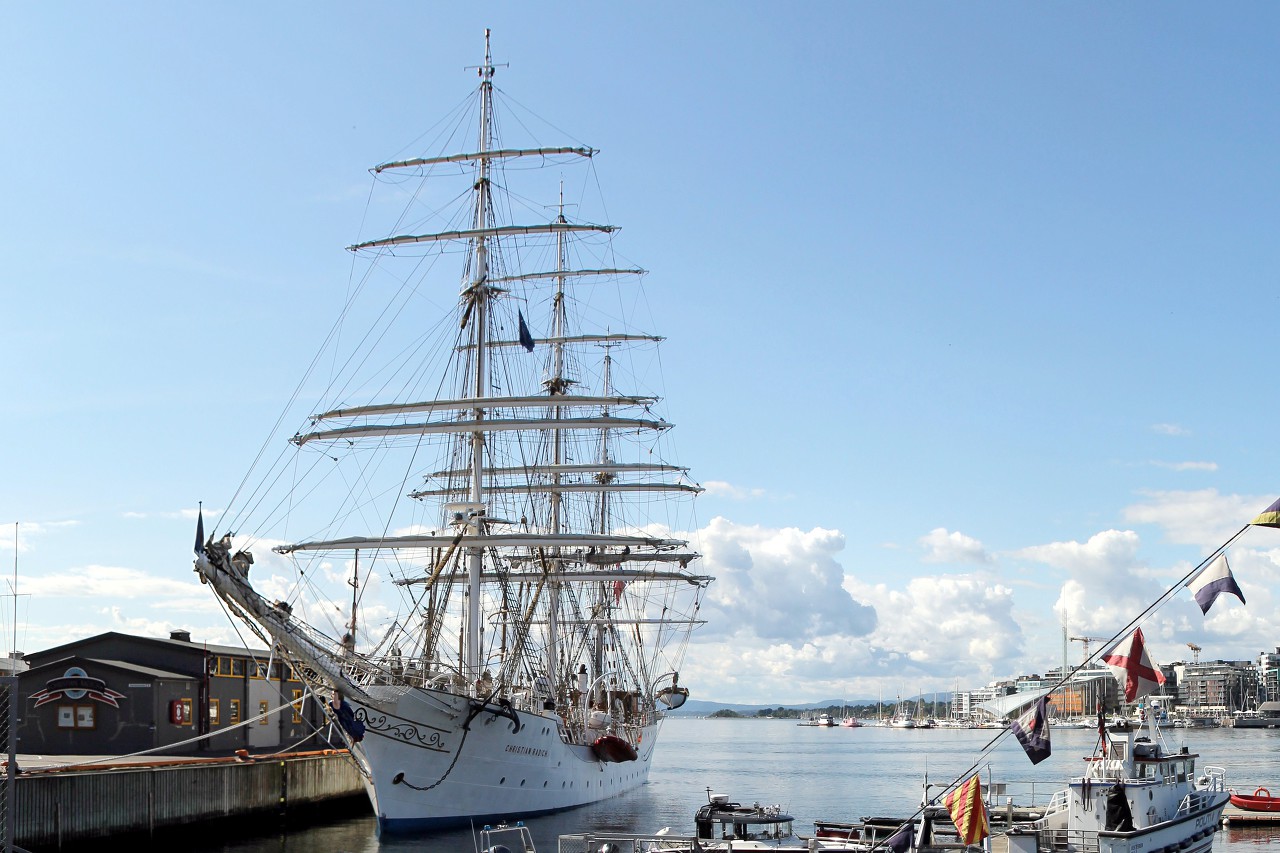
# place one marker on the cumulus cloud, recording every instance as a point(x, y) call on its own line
point(784, 610)
point(721, 489)
point(1107, 582)
point(945, 625)
point(943, 546)
point(1203, 517)
point(781, 585)
point(1104, 554)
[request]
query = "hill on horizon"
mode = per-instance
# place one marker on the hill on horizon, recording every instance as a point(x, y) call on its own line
point(703, 707)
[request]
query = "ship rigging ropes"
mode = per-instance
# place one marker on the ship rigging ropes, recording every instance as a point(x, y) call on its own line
point(557, 396)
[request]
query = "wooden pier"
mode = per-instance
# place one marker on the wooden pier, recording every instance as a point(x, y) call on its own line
point(1232, 816)
point(59, 807)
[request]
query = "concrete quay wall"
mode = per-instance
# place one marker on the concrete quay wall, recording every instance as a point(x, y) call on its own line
point(57, 809)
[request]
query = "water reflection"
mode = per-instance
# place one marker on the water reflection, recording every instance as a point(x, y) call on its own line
point(813, 773)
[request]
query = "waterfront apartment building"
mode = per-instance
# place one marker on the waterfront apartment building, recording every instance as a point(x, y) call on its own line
point(1269, 676)
point(1217, 688)
point(116, 694)
point(968, 704)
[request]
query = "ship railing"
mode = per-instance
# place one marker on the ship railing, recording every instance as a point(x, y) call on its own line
point(626, 842)
point(1197, 800)
point(1214, 779)
point(1024, 794)
point(1067, 841)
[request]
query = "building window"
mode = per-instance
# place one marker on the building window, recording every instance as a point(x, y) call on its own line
point(213, 712)
point(66, 716)
point(234, 712)
point(85, 718)
point(180, 712)
point(297, 706)
point(263, 707)
point(259, 670)
point(237, 667)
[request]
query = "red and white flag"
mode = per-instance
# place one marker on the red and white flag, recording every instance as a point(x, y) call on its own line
point(1133, 667)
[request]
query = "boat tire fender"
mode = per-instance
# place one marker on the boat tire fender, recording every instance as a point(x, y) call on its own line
point(1262, 792)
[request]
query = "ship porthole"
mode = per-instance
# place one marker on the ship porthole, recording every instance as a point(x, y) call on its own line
point(502, 781)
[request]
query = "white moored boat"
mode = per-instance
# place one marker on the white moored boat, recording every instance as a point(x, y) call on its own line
point(1134, 797)
point(520, 507)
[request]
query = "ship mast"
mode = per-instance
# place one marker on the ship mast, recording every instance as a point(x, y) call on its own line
point(478, 292)
point(556, 387)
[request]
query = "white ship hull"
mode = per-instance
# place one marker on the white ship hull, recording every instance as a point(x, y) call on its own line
point(429, 772)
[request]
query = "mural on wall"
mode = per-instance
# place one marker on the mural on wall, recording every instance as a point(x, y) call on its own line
point(76, 684)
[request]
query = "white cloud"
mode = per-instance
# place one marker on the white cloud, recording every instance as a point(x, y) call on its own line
point(783, 610)
point(721, 489)
point(945, 625)
point(943, 546)
point(110, 582)
point(1186, 466)
point(1203, 517)
point(780, 585)
point(1170, 429)
point(1104, 553)
point(28, 532)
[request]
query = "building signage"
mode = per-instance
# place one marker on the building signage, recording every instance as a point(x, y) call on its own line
point(76, 684)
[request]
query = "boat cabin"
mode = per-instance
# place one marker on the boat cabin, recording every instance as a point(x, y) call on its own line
point(721, 820)
point(1135, 796)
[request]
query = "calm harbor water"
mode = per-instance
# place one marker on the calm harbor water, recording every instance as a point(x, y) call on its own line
point(813, 773)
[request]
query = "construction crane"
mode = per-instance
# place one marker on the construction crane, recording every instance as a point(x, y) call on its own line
point(1085, 641)
point(1195, 652)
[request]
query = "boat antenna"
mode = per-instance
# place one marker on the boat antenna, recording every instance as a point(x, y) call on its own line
point(14, 649)
point(486, 71)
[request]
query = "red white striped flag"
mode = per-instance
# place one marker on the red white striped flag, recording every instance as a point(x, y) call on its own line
point(968, 812)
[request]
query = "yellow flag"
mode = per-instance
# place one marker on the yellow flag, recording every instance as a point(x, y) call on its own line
point(968, 812)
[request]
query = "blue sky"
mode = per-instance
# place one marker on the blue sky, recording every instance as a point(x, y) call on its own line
point(969, 306)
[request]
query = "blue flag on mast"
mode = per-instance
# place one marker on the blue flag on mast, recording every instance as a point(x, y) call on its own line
point(200, 531)
point(526, 338)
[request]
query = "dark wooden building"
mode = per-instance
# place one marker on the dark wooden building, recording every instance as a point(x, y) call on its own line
point(116, 694)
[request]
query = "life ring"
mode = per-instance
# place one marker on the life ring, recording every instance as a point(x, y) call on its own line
point(1262, 792)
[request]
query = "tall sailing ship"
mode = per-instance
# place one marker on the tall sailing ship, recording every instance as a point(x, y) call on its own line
point(512, 490)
